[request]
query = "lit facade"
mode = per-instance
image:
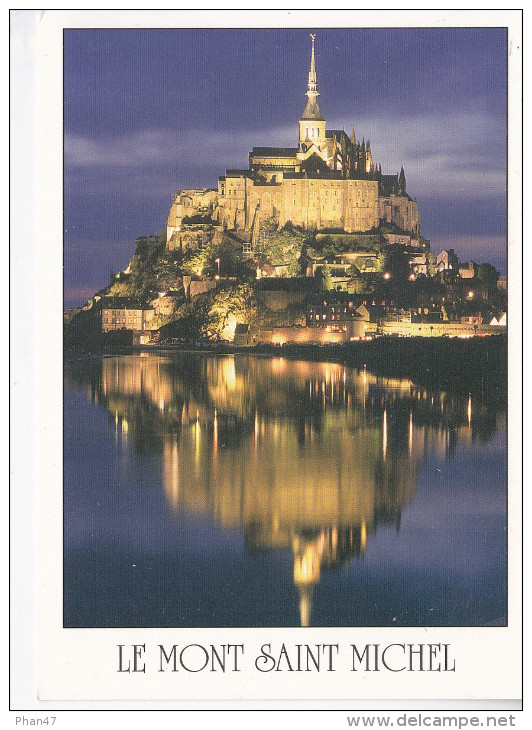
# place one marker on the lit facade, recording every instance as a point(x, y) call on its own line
point(122, 314)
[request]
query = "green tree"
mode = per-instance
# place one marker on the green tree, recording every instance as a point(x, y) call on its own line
point(394, 261)
point(382, 260)
point(229, 306)
point(203, 261)
point(358, 284)
point(284, 246)
point(325, 277)
point(270, 224)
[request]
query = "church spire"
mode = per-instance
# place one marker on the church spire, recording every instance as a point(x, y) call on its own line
point(312, 109)
point(312, 80)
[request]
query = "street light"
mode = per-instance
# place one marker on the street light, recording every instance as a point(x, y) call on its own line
point(217, 261)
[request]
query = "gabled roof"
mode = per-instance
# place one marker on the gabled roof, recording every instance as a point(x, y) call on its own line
point(312, 149)
point(330, 133)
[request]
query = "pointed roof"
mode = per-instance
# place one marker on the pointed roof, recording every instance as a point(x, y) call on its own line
point(312, 109)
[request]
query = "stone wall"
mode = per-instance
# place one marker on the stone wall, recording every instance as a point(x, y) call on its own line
point(437, 329)
point(297, 335)
point(164, 306)
point(201, 287)
point(277, 301)
point(356, 329)
point(188, 203)
point(308, 202)
point(401, 210)
point(353, 205)
point(191, 237)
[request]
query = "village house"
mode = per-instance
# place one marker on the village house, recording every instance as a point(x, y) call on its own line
point(446, 260)
point(121, 313)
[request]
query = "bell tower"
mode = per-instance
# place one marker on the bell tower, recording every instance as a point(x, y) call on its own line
point(312, 123)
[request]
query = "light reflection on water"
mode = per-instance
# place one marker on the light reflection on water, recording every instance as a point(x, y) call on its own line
point(287, 470)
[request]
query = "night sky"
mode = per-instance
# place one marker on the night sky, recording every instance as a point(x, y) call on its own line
point(147, 112)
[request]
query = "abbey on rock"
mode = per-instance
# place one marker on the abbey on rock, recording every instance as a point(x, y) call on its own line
point(328, 181)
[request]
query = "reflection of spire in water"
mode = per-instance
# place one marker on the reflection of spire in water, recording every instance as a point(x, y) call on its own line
point(307, 563)
point(329, 548)
point(307, 566)
point(469, 410)
point(410, 434)
point(305, 604)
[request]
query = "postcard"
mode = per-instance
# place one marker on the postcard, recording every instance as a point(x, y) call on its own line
point(279, 445)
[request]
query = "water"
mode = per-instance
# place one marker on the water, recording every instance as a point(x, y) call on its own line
point(244, 491)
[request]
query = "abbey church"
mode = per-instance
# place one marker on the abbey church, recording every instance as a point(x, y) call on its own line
point(328, 181)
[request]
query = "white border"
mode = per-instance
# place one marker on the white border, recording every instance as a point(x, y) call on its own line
point(80, 664)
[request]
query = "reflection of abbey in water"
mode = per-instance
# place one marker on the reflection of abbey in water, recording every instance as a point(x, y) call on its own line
point(306, 457)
